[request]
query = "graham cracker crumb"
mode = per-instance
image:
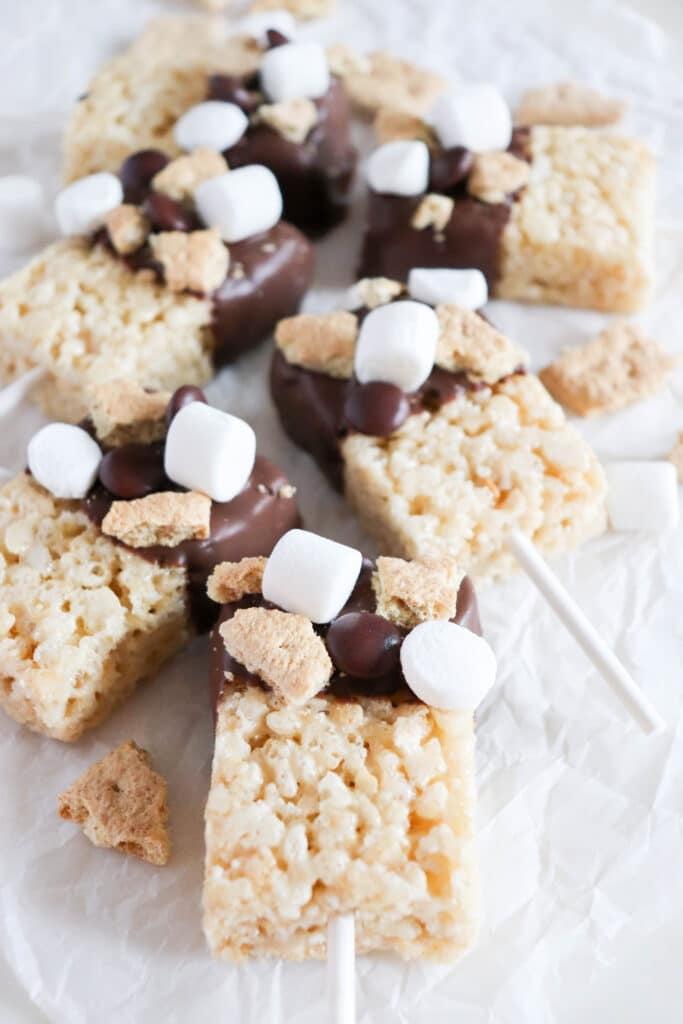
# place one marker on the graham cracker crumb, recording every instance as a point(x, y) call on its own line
point(197, 261)
point(231, 581)
point(568, 103)
point(303, 9)
point(412, 592)
point(166, 518)
point(393, 125)
point(496, 175)
point(389, 81)
point(468, 342)
point(344, 60)
point(180, 178)
point(434, 211)
point(293, 119)
point(321, 343)
point(376, 291)
point(120, 802)
point(676, 457)
point(124, 413)
point(128, 228)
point(282, 649)
point(619, 367)
point(286, 491)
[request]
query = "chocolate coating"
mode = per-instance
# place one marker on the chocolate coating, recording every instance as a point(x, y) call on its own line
point(166, 214)
point(376, 408)
point(275, 38)
point(233, 89)
point(449, 169)
point(137, 171)
point(364, 645)
point(134, 470)
point(181, 397)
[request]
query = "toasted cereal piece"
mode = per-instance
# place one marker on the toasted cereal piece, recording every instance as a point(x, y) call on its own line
point(496, 175)
point(166, 517)
point(412, 592)
point(128, 228)
point(195, 261)
point(179, 178)
point(676, 457)
point(293, 119)
point(120, 803)
point(619, 367)
point(568, 103)
point(383, 80)
point(319, 342)
point(122, 412)
point(303, 9)
point(231, 581)
point(391, 125)
point(434, 211)
point(468, 342)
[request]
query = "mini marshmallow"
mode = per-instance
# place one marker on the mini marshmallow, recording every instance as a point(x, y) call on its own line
point(447, 666)
point(399, 168)
point(642, 495)
point(82, 206)
point(397, 345)
point(465, 288)
point(257, 25)
point(311, 575)
point(214, 124)
point(476, 116)
point(23, 217)
point(209, 451)
point(240, 203)
point(64, 459)
point(294, 71)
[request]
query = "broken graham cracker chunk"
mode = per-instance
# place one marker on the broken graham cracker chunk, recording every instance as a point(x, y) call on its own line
point(496, 175)
point(468, 342)
point(619, 367)
point(120, 802)
point(676, 457)
point(180, 178)
point(320, 343)
point(394, 125)
point(231, 581)
point(384, 80)
point(409, 593)
point(127, 227)
point(166, 518)
point(282, 649)
point(197, 261)
point(124, 413)
point(376, 291)
point(293, 119)
point(434, 211)
point(303, 9)
point(568, 103)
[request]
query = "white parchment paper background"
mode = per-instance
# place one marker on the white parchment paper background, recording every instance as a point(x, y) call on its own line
point(580, 816)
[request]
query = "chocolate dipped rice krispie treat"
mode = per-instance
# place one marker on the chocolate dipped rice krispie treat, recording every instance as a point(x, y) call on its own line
point(107, 540)
point(422, 413)
point(343, 771)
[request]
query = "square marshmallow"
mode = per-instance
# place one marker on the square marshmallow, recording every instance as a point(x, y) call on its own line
point(240, 203)
point(311, 575)
point(210, 451)
point(294, 71)
point(642, 495)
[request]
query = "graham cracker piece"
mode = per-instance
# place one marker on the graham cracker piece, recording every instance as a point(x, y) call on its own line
point(128, 228)
point(230, 581)
point(293, 119)
point(305, 10)
point(181, 177)
point(394, 125)
point(344, 60)
point(568, 103)
point(434, 211)
point(122, 412)
point(323, 343)
point(388, 81)
point(166, 518)
point(372, 292)
point(619, 367)
point(676, 457)
point(496, 175)
point(412, 592)
point(120, 802)
point(195, 261)
point(468, 342)
point(282, 649)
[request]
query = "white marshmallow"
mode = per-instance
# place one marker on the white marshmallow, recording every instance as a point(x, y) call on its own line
point(397, 345)
point(210, 451)
point(448, 666)
point(214, 124)
point(295, 70)
point(399, 168)
point(642, 495)
point(23, 217)
point(64, 459)
point(476, 116)
point(465, 288)
point(240, 203)
point(256, 25)
point(82, 206)
point(311, 575)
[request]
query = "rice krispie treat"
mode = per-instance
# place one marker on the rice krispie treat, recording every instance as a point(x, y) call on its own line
point(257, 98)
point(554, 214)
point(343, 771)
point(421, 412)
point(169, 270)
point(104, 551)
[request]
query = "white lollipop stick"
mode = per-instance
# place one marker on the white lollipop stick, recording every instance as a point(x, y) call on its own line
point(341, 968)
point(585, 634)
point(12, 395)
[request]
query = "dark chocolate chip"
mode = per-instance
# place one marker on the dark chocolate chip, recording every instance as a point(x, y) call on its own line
point(450, 169)
point(166, 214)
point(231, 89)
point(181, 397)
point(376, 408)
point(134, 470)
point(137, 171)
point(364, 645)
point(275, 38)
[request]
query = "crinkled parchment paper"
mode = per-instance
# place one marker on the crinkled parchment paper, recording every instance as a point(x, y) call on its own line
point(579, 814)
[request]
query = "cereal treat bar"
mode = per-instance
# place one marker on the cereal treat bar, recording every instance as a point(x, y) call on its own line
point(120, 803)
point(426, 420)
point(257, 98)
point(104, 554)
point(147, 286)
point(343, 771)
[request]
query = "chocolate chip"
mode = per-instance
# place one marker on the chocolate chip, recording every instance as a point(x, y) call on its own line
point(364, 645)
point(231, 89)
point(166, 214)
point(137, 171)
point(275, 38)
point(450, 169)
point(134, 470)
point(181, 397)
point(376, 408)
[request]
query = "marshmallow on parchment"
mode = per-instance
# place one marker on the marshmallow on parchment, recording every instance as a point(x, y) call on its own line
point(82, 206)
point(210, 451)
point(476, 116)
point(642, 495)
point(259, 23)
point(311, 575)
point(295, 71)
point(397, 344)
point(212, 124)
point(447, 666)
point(399, 168)
point(464, 288)
point(240, 203)
point(23, 217)
point(64, 459)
